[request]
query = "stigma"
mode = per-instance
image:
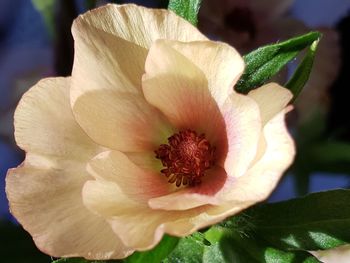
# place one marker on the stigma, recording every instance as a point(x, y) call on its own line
point(186, 157)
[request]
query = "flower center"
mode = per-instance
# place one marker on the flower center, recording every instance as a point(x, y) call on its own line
point(186, 157)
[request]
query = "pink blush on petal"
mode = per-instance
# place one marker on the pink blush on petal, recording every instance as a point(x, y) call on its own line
point(206, 193)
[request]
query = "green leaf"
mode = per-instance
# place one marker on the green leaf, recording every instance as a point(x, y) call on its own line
point(187, 9)
point(302, 73)
point(234, 247)
point(189, 249)
point(47, 9)
point(263, 63)
point(160, 252)
point(316, 221)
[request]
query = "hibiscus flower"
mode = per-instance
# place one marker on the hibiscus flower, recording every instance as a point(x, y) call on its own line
point(146, 137)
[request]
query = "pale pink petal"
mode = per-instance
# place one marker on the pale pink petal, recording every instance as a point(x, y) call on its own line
point(45, 192)
point(103, 61)
point(110, 51)
point(132, 221)
point(129, 218)
point(136, 224)
point(66, 211)
point(121, 121)
point(271, 98)
point(153, 225)
point(180, 91)
point(141, 25)
point(48, 203)
point(106, 198)
point(106, 81)
point(44, 123)
point(258, 183)
point(191, 197)
point(260, 180)
point(111, 44)
point(243, 127)
point(106, 90)
point(221, 64)
point(136, 183)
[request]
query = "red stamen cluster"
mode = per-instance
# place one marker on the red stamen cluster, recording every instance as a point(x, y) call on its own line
point(186, 157)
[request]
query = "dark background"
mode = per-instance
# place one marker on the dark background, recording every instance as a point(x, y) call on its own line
point(31, 49)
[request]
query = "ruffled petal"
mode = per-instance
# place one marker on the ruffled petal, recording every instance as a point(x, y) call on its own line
point(47, 201)
point(132, 221)
point(106, 92)
point(260, 180)
point(179, 89)
point(45, 192)
point(258, 183)
point(44, 123)
point(141, 25)
point(243, 127)
point(111, 44)
point(130, 216)
point(152, 224)
point(221, 64)
point(136, 224)
point(106, 80)
point(106, 198)
point(138, 184)
point(271, 98)
point(103, 61)
point(121, 121)
point(191, 197)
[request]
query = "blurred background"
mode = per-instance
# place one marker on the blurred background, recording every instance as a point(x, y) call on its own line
point(35, 42)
